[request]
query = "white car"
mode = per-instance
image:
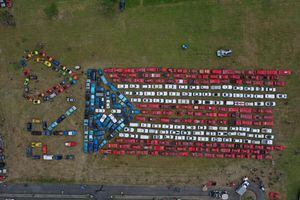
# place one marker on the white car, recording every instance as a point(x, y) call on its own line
point(245, 129)
point(261, 136)
point(135, 136)
point(145, 125)
point(259, 103)
point(159, 137)
point(223, 128)
point(214, 139)
point(235, 140)
point(270, 103)
point(265, 141)
point(206, 94)
point(268, 89)
point(249, 88)
point(124, 135)
point(203, 139)
point(281, 96)
point(153, 131)
point(247, 141)
point(255, 142)
point(136, 100)
point(220, 133)
point(144, 137)
point(233, 128)
point(156, 125)
point(147, 100)
point(201, 127)
point(169, 137)
point(214, 128)
point(227, 95)
point(183, 87)
point(204, 87)
point(174, 94)
point(270, 96)
point(211, 133)
point(133, 124)
point(249, 104)
point(227, 139)
point(136, 86)
point(229, 103)
point(251, 135)
point(171, 101)
point(248, 95)
point(198, 133)
point(162, 93)
point(227, 87)
point(197, 94)
point(179, 137)
point(216, 87)
point(129, 129)
point(238, 88)
point(191, 138)
point(259, 89)
point(255, 130)
point(266, 130)
point(241, 134)
point(232, 133)
point(270, 137)
point(128, 92)
point(238, 95)
point(259, 96)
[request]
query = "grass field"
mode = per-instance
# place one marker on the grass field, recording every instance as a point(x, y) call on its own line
point(262, 34)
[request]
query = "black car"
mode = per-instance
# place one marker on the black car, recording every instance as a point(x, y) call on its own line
point(58, 157)
point(46, 98)
point(44, 125)
point(36, 157)
point(2, 165)
point(61, 118)
point(2, 157)
point(29, 126)
point(122, 5)
point(36, 132)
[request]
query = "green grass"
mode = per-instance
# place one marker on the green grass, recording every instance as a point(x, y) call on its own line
point(262, 34)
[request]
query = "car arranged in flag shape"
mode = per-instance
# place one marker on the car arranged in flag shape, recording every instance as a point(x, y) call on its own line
point(70, 144)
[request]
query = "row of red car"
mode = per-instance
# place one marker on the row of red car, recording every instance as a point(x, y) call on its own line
point(145, 143)
point(185, 154)
point(211, 121)
point(197, 71)
point(236, 115)
point(188, 107)
point(189, 77)
point(200, 81)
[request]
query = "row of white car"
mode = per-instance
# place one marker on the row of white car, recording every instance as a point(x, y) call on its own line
point(196, 87)
point(197, 133)
point(193, 127)
point(196, 138)
point(205, 94)
point(205, 102)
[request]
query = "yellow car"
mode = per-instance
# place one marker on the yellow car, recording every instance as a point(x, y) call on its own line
point(47, 63)
point(36, 101)
point(38, 59)
point(36, 121)
point(36, 144)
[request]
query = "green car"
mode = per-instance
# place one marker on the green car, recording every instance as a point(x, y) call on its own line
point(69, 157)
point(26, 82)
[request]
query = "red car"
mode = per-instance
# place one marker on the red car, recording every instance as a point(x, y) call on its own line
point(70, 144)
point(44, 149)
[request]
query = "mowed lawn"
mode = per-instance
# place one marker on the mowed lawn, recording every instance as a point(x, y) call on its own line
point(262, 34)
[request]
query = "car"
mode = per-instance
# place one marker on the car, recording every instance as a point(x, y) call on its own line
point(36, 144)
point(224, 53)
point(36, 121)
point(270, 137)
point(70, 99)
point(58, 157)
point(259, 103)
point(227, 95)
point(69, 157)
point(235, 140)
point(249, 88)
point(270, 96)
point(70, 144)
point(36, 101)
point(77, 67)
point(47, 63)
point(29, 126)
point(266, 141)
point(266, 130)
point(281, 96)
point(270, 103)
point(248, 95)
point(61, 118)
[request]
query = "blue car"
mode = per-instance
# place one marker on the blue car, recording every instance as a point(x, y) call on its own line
point(56, 62)
point(96, 145)
point(58, 157)
point(102, 144)
point(85, 147)
point(91, 147)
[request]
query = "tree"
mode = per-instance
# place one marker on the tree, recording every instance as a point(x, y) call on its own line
point(7, 19)
point(51, 11)
point(107, 6)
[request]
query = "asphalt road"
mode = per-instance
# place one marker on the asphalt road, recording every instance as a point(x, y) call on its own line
point(100, 192)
